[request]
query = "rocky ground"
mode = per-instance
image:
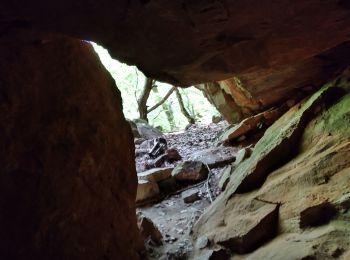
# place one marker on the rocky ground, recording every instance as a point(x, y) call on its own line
point(171, 215)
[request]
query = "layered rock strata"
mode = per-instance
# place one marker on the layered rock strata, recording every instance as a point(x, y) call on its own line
point(300, 168)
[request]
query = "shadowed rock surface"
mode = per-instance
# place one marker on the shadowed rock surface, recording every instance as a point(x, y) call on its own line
point(200, 41)
point(252, 54)
point(61, 162)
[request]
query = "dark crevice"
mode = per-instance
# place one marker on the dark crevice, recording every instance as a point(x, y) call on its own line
point(317, 215)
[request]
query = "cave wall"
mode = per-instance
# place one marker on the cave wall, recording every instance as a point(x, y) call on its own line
point(67, 181)
point(290, 199)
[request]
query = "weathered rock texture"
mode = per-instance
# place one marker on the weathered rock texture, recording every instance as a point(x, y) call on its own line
point(251, 92)
point(269, 42)
point(67, 183)
point(251, 124)
point(190, 171)
point(301, 167)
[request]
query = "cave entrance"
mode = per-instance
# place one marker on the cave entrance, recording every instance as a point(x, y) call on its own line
point(169, 108)
point(177, 138)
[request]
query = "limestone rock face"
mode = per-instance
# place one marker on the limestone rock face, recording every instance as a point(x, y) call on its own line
point(67, 178)
point(309, 186)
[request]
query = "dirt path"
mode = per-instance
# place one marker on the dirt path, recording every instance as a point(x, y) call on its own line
point(173, 217)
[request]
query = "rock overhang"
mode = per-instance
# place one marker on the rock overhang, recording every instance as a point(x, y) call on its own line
point(192, 42)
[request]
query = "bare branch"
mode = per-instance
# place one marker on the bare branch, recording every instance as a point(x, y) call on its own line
point(162, 100)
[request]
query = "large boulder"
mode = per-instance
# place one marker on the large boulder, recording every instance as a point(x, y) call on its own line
point(190, 171)
point(215, 156)
point(67, 188)
point(146, 190)
point(147, 131)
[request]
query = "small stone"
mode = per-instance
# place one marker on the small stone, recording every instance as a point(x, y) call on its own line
point(172, 155)
point(180, 231)
point(202, 242)
point(146, 190)
point(149, 230)
point(156, 174)
point(190, 196)
point(159, 161)
point(139, 141)
point(170, 203)
point(170, 239)
point(216, 119)
point(173, 239)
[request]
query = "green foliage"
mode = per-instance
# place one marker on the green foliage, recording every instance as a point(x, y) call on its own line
point(130, 81)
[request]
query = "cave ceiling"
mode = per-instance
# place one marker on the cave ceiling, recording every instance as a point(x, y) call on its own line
point(191, 42)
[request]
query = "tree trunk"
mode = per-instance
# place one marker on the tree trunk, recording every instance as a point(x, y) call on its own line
point(190, 119)
point(169, 115)
point(166, 107)
point(142, 101)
